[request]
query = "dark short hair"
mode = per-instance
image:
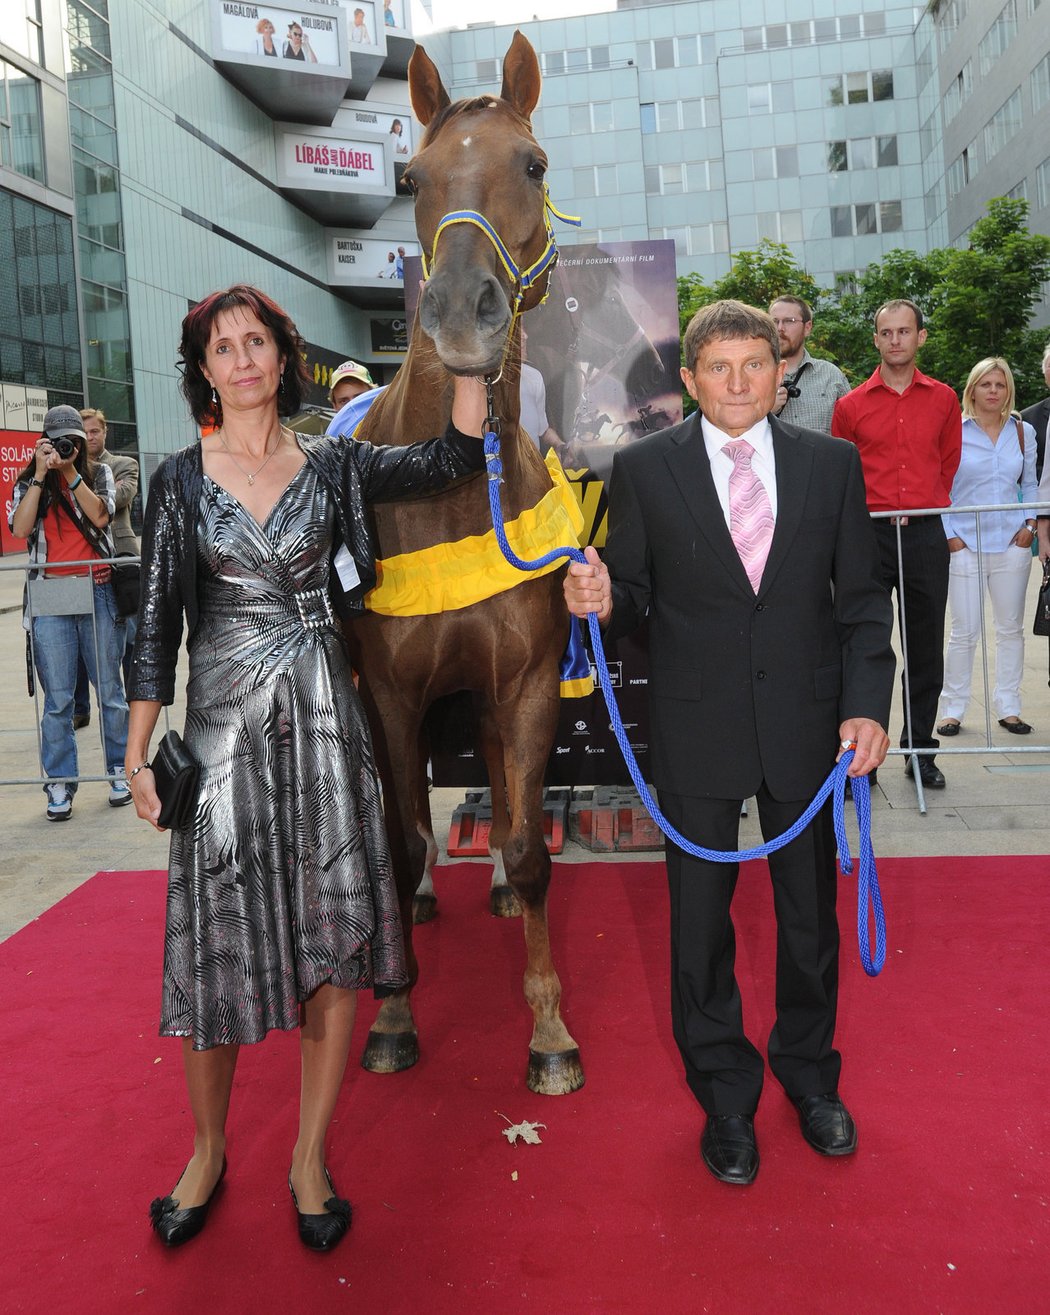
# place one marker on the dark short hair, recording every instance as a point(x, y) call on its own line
point(196, 333)
point(727, 319)
point(899, 303)
point(792, 300)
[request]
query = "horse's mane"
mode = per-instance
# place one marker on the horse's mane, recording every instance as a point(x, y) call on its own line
point(467, 106)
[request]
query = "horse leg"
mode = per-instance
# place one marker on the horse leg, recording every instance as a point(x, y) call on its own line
point(554, 1067)
point(424, 902)
point(393, 1042)
point(502, 901)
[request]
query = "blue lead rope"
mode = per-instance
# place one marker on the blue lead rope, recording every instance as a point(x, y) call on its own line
point(868, 892)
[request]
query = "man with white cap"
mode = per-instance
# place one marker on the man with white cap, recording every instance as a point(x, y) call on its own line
point(348, 381)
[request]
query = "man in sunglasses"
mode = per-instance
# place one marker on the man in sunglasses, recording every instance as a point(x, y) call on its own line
point(811, 387)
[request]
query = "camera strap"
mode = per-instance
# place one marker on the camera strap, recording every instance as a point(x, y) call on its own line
point(791, 380)
point(93, 536)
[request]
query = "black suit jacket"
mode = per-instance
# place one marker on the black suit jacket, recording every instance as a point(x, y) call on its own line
point(746, 689)
point(1037, 416)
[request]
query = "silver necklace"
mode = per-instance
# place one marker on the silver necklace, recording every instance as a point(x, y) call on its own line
point(250, 478)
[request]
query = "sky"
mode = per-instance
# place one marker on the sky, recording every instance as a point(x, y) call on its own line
point(458, 13)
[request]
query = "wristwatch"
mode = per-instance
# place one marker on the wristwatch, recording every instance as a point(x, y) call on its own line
point(36, 483)
point(1030, 526)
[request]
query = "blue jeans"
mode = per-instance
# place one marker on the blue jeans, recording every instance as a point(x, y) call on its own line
point(58, 641)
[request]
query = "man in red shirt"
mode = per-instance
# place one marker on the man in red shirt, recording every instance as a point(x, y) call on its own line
point(908, 430)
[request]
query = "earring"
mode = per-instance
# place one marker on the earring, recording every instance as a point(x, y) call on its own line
point(214, 398)
point(280, 383)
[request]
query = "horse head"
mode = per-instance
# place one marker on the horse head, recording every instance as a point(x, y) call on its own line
point(481, 210)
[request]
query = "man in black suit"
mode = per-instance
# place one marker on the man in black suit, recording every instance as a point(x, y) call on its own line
point(1038, 416)
point(753, 691)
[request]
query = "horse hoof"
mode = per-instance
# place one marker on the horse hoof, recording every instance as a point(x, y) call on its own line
point(390, 1052)
point(503, 903)
point(555, 1075)
point(424, 907)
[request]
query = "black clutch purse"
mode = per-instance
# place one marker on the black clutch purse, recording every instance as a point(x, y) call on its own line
point(177, 776)
point(1041, 621)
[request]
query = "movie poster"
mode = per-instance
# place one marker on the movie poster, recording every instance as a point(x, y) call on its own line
point(398, 128)
point(331, 162)
point(279, 34)
point(361, 23)
point(606, 345)
point(368, 259)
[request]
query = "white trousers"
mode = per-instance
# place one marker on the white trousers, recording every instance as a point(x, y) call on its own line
point(1005, 575)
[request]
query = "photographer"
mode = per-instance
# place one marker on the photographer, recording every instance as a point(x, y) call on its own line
point(811, 386)
point(62, 505)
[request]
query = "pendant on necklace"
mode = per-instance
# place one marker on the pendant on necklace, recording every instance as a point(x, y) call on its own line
point(251, 479)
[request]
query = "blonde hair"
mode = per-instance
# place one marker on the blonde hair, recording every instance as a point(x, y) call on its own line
point(978, 372)
point(93, 413)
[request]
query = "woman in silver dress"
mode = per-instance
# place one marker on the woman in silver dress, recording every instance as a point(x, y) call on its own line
point(281, 902)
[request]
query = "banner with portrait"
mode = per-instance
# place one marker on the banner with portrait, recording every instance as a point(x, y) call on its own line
point(282, 34)
point(606, 346)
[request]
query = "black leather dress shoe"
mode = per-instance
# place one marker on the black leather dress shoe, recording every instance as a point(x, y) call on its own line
point(174, 1226)
point(322, 1232)
point(826, 1124)
point(729, 1148)
point(930, 774)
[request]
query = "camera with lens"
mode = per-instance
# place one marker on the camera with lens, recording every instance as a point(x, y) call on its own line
point(64, 445)
point(793, 390)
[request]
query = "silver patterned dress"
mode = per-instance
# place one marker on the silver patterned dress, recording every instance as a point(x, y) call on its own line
point(283, 883)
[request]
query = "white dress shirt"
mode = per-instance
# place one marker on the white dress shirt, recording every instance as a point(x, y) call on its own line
point(760, 437)
point(989, 473)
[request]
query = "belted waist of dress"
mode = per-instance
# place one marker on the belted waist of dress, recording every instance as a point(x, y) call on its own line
point(311, 607)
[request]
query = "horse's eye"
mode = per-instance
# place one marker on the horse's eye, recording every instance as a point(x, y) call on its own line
point(537, 169)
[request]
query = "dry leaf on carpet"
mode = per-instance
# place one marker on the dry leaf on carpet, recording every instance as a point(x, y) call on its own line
point(525, 1130)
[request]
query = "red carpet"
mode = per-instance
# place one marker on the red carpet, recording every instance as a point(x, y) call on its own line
point(943, 1209)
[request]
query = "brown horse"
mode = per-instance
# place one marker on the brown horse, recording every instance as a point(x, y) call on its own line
point(477, 154)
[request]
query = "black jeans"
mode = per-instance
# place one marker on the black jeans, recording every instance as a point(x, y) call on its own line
point(925, 557)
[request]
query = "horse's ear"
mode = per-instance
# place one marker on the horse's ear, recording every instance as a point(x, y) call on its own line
point(521, 76)
point(425, 87)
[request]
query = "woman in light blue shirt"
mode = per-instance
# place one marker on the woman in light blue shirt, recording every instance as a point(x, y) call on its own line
point(998, 457)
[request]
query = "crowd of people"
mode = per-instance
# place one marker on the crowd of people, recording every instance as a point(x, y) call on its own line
point(762, 549)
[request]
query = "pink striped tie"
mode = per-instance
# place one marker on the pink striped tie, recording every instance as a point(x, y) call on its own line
point(750, 513)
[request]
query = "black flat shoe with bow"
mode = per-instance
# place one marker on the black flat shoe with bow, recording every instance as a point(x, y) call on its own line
point(1015, 726)
point(322, 1232)
point(173, 1225)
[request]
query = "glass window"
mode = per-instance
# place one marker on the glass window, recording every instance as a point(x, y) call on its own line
point(1042, 185)
point(688, 52)
point(837, 160)
point(720, 237)
point(776, 35)
point(783, 97)
point(801, 33)
point(651, 179)
point(825, 29)
point(605, 180)
point(583, 181)
point(866, 220)
point(856, 88)
point(890, 220)
point(663, 53)
point(1019, 192)
point(874, 24)
point(708, 49)
point(887, 151)
point(849, 26)
point(759, 100)
point(647, 117)
point(791, 226)
point(667, 119)
point(680, 237)
point(693, 115)
point(1041, 84)
point(882, 85)
point(787, 161)
point(833, 90)
point(767, 224)
point(763, 163)
point(576, 60)
point(841, 221)
point(554, 62)
point(671, 179)
point(753, 38)
point(486, 70)
point(862, 155)
point(599, 56)
point(602, 115)
point(579, 119)
point(21, 130)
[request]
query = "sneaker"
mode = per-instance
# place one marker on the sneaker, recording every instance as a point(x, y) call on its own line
point(119, 790)
point(59, 802)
